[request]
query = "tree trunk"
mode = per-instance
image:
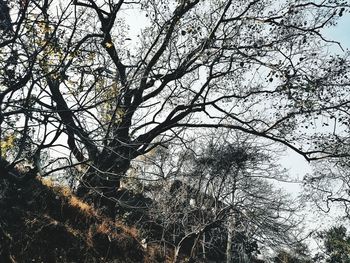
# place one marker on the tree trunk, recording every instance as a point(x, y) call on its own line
point(176, 253)
point(231, 223)
point(230, 235)
point(104, 175)
point(203, 246)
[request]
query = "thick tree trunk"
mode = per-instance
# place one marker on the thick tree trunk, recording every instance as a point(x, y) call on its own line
point(104, 175)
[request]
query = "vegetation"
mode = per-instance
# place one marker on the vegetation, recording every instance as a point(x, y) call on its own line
point(336, 245)
point(222, 202)
point(40, 222)
point(164, 135)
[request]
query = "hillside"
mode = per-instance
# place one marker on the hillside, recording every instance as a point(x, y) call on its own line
point(40, 222)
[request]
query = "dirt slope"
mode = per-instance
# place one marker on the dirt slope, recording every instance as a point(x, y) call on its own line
point(43, 223)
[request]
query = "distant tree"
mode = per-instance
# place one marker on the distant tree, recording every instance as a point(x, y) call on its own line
point(5, 19)
point(298, 254)
point(220, 200)
point(286, 257)
point(79, 80)
point(336, 244)
point(327, 187)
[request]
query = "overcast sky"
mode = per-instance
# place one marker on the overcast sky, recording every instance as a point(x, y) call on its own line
point(341, 32)
point(294, 162)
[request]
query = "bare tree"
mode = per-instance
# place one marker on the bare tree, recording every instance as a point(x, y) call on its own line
point(222, 196)
point(327, 187)
point(80, 84)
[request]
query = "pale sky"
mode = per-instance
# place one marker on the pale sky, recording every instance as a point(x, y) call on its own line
point(341, 32)
point(297, 165)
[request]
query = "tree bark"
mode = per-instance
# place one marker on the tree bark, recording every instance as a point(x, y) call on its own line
point(230, 235)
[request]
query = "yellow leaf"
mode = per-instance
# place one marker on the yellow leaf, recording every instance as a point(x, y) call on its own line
point(120, 112)
point(109, 45)
point(7, 144)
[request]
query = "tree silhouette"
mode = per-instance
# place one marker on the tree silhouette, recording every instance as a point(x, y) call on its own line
point(84, 85)
point(216, 200)
point(336, 244)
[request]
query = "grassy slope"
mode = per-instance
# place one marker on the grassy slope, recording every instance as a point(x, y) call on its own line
point(43, 223)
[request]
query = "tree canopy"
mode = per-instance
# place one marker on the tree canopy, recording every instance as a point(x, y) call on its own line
point(86, 86)
point(336, 245)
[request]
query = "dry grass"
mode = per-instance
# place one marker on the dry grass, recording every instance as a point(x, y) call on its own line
point(130, 230)
point(82, 206)
point(73, 231)
point(159, 253)
point(72, 200)
point(54, 223)
point(105, 226)
point(46, 181)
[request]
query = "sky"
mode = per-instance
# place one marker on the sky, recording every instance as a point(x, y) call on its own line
point(341, 32)
point(296, 164)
